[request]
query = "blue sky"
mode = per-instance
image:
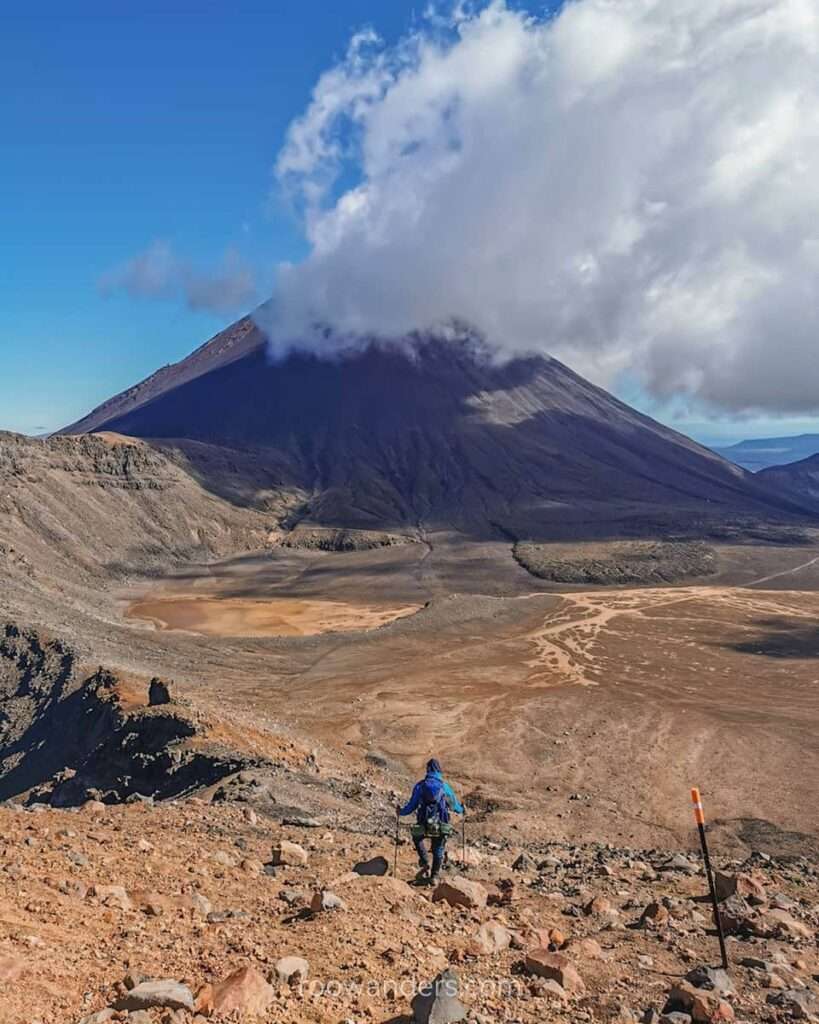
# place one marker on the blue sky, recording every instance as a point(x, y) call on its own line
point(128, 123)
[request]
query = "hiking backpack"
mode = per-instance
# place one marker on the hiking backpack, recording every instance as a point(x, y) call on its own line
point(434, 810)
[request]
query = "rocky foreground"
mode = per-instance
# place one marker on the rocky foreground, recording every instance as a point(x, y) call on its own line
point(203, 909)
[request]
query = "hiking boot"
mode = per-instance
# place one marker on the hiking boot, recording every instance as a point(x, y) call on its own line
point(433, 880)
point(422, 875)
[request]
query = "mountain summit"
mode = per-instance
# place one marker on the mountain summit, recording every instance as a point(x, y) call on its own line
point(431, 432)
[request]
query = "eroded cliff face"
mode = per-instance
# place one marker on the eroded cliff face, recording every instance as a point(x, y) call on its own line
point(67, 736)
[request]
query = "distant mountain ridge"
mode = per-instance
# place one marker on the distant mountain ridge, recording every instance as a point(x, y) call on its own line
point(762, 452)
point(432, 433)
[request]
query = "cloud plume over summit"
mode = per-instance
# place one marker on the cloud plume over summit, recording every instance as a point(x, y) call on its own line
point(632, 186)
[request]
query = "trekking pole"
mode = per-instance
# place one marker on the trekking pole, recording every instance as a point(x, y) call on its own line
point(397, 838)
point(463, 840)
point(699, 817)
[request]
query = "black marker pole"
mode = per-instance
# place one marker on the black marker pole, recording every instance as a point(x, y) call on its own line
point(395, 852)
point(699, 817)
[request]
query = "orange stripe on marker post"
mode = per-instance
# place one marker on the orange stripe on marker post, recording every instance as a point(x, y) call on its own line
point(699, 814)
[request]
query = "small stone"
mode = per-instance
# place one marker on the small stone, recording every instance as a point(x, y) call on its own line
point(559, 968)
point(654, 916)
point(292, 969)
point(244, 992)
point(599, 905)
point(112, 896)
point(492, 937)
point(374, 866)
point(438, 1002)
point(100, 1017)
point(148, 995)
point(704, 1007)
point(713, 979)
point(326, 900)
point(747, 886)
point(285, 852)
point(524, 864)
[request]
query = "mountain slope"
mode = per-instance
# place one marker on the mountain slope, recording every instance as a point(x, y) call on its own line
point(770, 451)
point(799, 480)
point(433, 432)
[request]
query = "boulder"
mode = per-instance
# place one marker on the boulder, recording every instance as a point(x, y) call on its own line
point(244, 992)
point(291, 854)
point(438, 1002)
point(460, 892)
point(374, 866)
point(555, 966)
point(292, 969)
point(163, 995)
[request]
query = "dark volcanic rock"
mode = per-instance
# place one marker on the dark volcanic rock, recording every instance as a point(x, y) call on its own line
point(66, 737)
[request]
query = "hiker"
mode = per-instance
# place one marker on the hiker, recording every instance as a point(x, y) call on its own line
point(432, 798)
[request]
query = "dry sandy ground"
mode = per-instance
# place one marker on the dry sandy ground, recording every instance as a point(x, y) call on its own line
point(579, 712)
point(237, 616)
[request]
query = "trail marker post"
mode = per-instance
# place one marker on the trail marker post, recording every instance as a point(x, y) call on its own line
point(699, 817)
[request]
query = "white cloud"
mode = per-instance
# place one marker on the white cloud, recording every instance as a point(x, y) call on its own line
point(632, 185)
point(158, 273)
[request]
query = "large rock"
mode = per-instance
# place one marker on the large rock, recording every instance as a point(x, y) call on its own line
point(438, 1002)
point(555, 966)
point(291, 854)
point(162, 995)
point(460, 892)
point(244, 992)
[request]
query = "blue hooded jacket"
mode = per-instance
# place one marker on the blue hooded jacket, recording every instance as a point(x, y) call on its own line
point(415, 801)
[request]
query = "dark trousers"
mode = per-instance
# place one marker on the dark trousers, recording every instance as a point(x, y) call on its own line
point(438, 844)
